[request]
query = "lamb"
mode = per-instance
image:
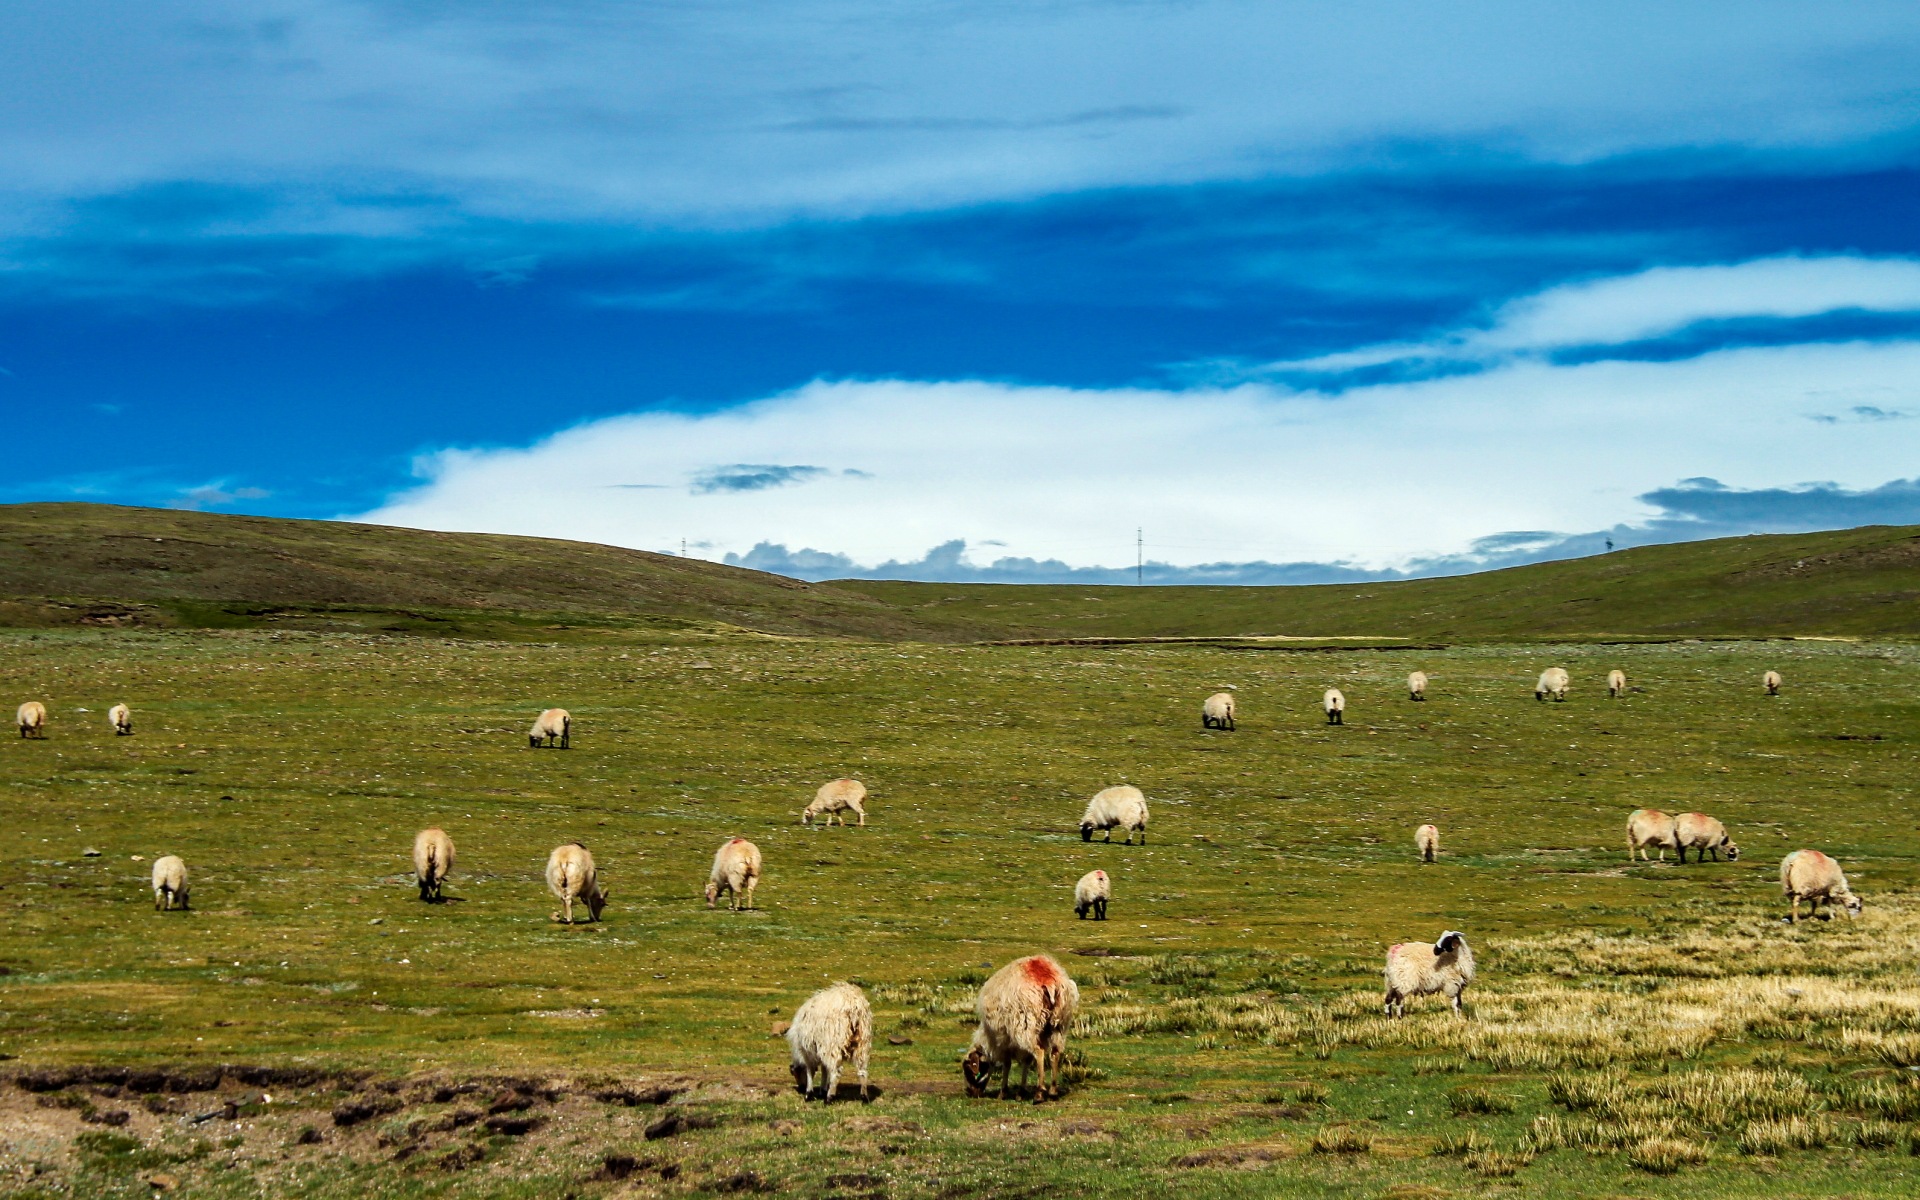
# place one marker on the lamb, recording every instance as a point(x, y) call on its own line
point(122, 718)
point(554, 727)
point(1336, 706)
point(736, 867)
point(169, 882)
point(1771, 681)
point(1417, 686)
point(572, 876)
point(1553, 682)
point(1123, 806)
point(1415, 969)
point(836, 797)
point(1025, 1010)
point(1701, 833)
point(1427, 840)
point(1811, 876)
point(834, 1026)
point(1217, 712)
point(433, 862)
point(1616, 684)
point(32, 718)
point(1650, 827)
point(1092, 892)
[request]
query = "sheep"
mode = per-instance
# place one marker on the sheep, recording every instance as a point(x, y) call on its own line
point(572, 876)
point(1025, 1010)
point(1092, 893)
point(1650, 827)
point(1811, 876)
point(1771, 681)
point(554, 727)
point(1123, 806)
point(1704, 835)
point(32, 718)
point(1217, 712)
point(122, 718)
point(1427, 840)
point(432, 862)
point(736, 867)
point(836, 798)
point(1417, 686)
point(1616, 684)
point(1553, 682)
point(1336, 706)
point(833, 1026)
point(169, 882)
point(1416, 969)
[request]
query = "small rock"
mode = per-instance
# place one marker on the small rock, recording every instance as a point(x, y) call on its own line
point(899, 1039)
point(160, 1181)
point(779, 1028)
point(90, 852)
point(378, 921)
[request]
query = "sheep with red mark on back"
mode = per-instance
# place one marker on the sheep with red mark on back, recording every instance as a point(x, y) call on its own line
point(1025, 1010)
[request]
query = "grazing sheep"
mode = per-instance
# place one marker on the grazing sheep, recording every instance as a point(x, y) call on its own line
point(1417, 686)
point(1704, 835)
point(572, 876)
point(1217, 712)
point(1427, 840)
point(834, 1026)
point(1616, 684)
point(836, 797)
point(1416, 969)
point(1336, 706)
point(1771, 681)
point(1092, 892)
point(433, 861)
point(169, 882)
point(554, 727)
point(32, 718)
point(1553, 682)
point(1650, 827)
point(1811, 876)
point(736, 867)
point(1025, 1010)
point(122, 718)
point(1122, 806)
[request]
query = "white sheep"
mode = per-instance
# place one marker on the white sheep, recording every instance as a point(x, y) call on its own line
point(1417, 686)
point(169, 882)
point(1771, 681)
point(1811, 876)
point(1336, 705)
point(1553, 682)
point(1651, 827)
point(1217, 711)
point(1426, 839)
point(736, 868)
point(1123, 806)
point(571, 876)
point(432, 861)
point(1701, 833)
point(1616, 684)
point(32, 719)
point(1025, 1010)
point(1417, 969)
point(834, 1026)
point(837, 797)
point(122, 718)
point(1091, 894)
point(554, 727)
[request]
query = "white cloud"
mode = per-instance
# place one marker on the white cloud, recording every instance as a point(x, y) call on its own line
point(1377, 476)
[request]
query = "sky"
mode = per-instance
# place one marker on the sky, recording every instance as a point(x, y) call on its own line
point(1085, 290)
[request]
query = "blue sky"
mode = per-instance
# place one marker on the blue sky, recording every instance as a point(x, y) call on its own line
point(972, 290)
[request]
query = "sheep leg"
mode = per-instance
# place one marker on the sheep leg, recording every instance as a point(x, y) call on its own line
point(832, 1084)
point(1099, 910)
point(1796, 909)
point(863, 820)
point(751, 884)
point(566, 902)
point(1040, 1083)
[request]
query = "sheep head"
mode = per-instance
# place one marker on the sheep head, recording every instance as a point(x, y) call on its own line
point(1733, 851)
point(713, 892)
point(977, 1071)
point(1450, 943)
point(799, 1077)
point(597, 900)
point(1086, 831)
point(1852, 905)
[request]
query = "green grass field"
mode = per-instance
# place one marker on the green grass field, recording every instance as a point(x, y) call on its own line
point(1653, 1030)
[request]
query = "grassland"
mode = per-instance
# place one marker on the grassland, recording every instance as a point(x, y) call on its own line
point(1652, 1030)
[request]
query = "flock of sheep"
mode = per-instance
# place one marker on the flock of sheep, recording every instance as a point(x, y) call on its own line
point(1025, 1008)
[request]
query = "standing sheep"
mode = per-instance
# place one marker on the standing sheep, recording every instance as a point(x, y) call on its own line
point(1701, 833)
point(572, 876)
point(1092, 892)
point(32, 719)
point(433, 862)
point(554, 727)
point(169, 882)
point(1771, 681)
point(1651, 827)
point(1616, 684)
point(1553, 682)
point(1811, 876)
point(736, 868)
point(1417, 969)
point(833, 1026)
point(1427, 840)
point(1417, 686)
point(122, 718)
point(1025, 1010)
point(1336, 706)
point(1124, 806)
point(1217, 712)
point(836, 797)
